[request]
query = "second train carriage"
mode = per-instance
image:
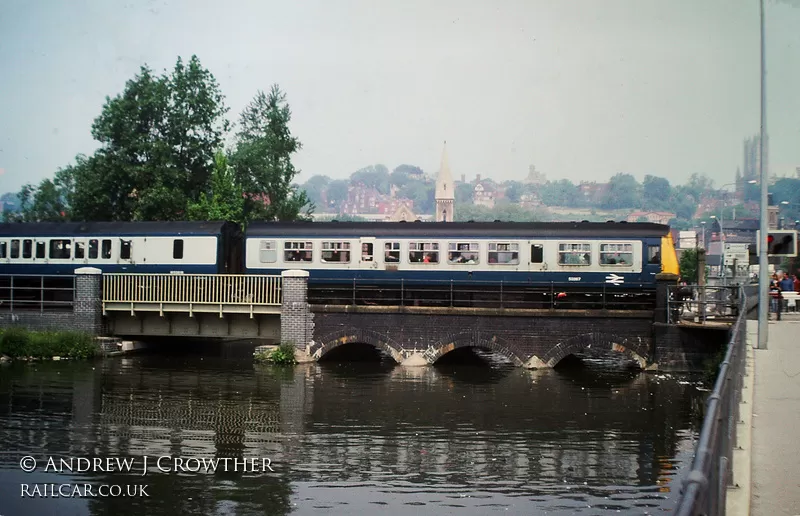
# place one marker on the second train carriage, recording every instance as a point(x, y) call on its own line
point(560, 253)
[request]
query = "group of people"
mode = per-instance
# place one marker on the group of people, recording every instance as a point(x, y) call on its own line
point(778, 284)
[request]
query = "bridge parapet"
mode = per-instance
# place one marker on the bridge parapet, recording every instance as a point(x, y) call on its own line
point(189, 293)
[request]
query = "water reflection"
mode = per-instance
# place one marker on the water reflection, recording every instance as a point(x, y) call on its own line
point(352, 437)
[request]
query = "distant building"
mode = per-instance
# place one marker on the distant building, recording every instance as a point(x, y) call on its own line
point(657, 217)
point(484, 194)
point(445, 191)
point(593, 192)
point(534, 177)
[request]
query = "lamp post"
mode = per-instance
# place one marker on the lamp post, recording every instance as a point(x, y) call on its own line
point(763, 263)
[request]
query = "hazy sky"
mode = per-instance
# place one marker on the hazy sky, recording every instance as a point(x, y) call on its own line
point(583, 89)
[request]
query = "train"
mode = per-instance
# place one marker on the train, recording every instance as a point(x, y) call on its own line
point(615, 254)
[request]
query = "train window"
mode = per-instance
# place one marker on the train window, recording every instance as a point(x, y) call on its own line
point(14, 253)
point(60, 249)
point(423, 252)
point(177, 249)
point(27, 248)
point(267, 252)
point(80, 250)
point(463, 252)
point(391, 253)
point(575, 254)
point(105, 250)
point(338, 252)
point(366, 252)
point(504, 253)
point(537, 253)
point(3, 249)
point(93, 249)
point(297, 251)
point(124, 249)
point(40, 249)
point(654, 254)
point(616, 254)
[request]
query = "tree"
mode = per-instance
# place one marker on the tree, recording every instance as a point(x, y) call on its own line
point(656, 191)
point(514, 191)
point(226, 201)
point(47, 202)
point(464, 193)
point(402, 174)
point(688, 265)
point(315, 189)
point(423, 194)
point(560, 193)
point(337, 193)
point(373, 176)
point(623, 192)
point(157, 147)
point(262, 160)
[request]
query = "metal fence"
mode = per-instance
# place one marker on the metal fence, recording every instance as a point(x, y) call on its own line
point(700, 303)
point(704, 489)
point(452, 293)
point(197, 289)
point(41, 293)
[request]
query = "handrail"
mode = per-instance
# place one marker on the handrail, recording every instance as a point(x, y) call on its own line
point(704, 489)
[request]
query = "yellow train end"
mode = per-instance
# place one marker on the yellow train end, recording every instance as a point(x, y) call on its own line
point(669, 257)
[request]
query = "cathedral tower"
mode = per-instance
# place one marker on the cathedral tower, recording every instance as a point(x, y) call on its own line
point(445, 191)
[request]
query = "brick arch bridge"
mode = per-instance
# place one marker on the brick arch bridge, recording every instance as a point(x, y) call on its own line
point(534, 340)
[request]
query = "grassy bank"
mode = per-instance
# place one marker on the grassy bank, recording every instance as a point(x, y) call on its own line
point(22, 343)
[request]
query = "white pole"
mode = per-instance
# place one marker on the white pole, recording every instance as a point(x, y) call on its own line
point(763, 265)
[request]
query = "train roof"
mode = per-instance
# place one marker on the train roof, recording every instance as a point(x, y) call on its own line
point(459, 229)
point(111, 228)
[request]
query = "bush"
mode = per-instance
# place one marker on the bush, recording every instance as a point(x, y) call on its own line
point(14, 342)
point(282, 355)
point(18, 342)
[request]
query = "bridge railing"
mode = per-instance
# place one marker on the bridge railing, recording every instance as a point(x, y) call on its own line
point(704, 489)
point(196, 289)
point(481, 294)
point(41, 293)
point(701, 303)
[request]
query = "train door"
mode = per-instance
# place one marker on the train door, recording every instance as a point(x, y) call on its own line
point(367, 253)
point(536, 257)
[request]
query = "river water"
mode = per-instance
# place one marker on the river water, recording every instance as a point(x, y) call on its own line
point(341, 438)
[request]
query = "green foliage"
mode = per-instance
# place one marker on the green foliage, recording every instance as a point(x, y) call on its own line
point(374, 176)
point(18, 342)
point(688, 265)
point(502, 211)
point(337, 192)
point(315, 189)
point(262, 160)
point(422, 193)
point(464, 193)
point(514, 191)
point(226, 200)
point(560, 193)
point(656, 192)
point(623, 192)
point(282, 355)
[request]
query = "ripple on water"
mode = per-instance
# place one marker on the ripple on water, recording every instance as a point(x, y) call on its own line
point(350, 440)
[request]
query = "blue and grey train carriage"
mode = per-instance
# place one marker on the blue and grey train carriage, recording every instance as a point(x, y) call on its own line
point(142, 247)
point(615, 254)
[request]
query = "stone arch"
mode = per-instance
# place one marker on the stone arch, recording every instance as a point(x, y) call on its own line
point(470, 339)
point(634, 349)
point(333, 340)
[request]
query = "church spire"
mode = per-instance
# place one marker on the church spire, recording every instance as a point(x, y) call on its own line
point(445, 190)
